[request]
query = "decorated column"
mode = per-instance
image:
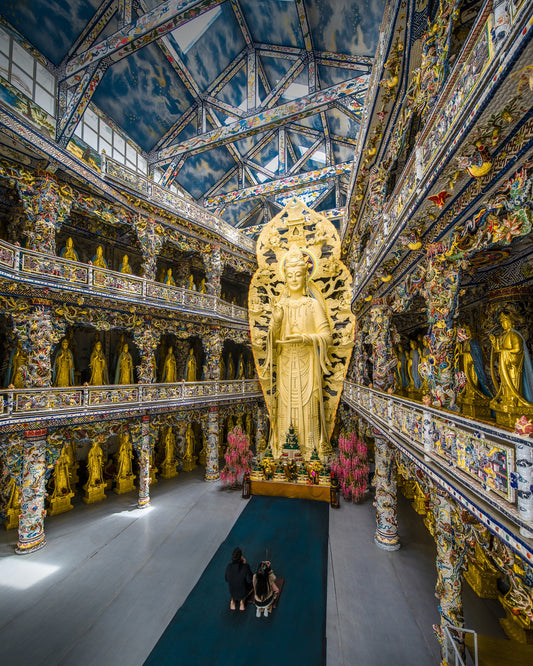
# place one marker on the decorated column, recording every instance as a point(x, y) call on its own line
point(449, 564)
point(47, 205)
point(440, 291)
point(143, 442)
point(211, 469)
point(213, 270)
point(381, 336)
point(147, 339)
point(212, 344)
point(151, 236)
point(32, 493)
point(524, 477)
point(39, 332)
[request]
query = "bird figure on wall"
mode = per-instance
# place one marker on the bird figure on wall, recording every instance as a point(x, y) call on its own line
point(439, 199)
point(480, 163)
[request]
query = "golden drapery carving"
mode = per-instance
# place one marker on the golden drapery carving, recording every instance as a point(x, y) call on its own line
point(301, 325)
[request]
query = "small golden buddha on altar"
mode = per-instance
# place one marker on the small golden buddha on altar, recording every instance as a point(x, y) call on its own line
point(98, 260)
point(68, 252)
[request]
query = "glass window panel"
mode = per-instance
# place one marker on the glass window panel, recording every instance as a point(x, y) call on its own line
point(131, 165)
point(118, 156)
point(45, 100)
point(106, 132)
point(4, 42)
point(141, 164)
point(119, 143)
point(4, 66)
point(103, 145)
point(21, 80)
point(90, 118)
point(131, 153)
point(77, 131)
point(45, 78)
point(90, 137)
point(23, 59)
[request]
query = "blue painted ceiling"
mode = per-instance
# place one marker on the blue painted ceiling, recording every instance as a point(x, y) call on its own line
point(149, 93)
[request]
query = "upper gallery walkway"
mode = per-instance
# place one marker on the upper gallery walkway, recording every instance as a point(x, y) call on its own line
point(55, 273)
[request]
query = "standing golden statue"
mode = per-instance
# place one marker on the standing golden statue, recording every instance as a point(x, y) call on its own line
point(302, 326)
point(59, 501)
point(95, 486)
point(514, 390)
point(170, 373)
point(474, 399)
point(18, 360)
point(124, 475)
point(124, 371)
point(63, 374)
point(98, 366)
point(189, 459)
point(169, 464)
point(191, 367)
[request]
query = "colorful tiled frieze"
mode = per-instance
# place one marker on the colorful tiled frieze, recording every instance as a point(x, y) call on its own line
point(484, 458)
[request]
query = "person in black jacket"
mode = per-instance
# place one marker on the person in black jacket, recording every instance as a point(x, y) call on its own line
point(239, 579)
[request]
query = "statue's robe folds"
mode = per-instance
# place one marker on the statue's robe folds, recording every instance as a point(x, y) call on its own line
point(299, 369)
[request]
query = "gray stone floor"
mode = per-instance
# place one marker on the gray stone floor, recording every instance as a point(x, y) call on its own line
point(112, 577)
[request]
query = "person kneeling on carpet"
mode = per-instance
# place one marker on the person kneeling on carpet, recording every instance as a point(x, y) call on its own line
point(265, 588)
point(239, 579)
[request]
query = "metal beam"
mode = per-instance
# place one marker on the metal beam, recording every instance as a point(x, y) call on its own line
point(280, 185)
point(164, 18)
point(259, 122)
point(101, 17)
point(235, 5)
point(303, 159)
point(282, 86)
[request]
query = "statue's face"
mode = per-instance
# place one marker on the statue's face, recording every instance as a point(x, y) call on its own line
point(99, 251)
point(505, 322)
point(64, 344)
point(295, 277)
point(125, 347)
point(99, 346)
point(169, 272)
point(125, 258)
point(70, 242)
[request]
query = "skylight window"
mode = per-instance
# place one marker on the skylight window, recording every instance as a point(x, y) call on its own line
point(270, 166)
point(317, 156)
point(189, 33)
point(295, 91)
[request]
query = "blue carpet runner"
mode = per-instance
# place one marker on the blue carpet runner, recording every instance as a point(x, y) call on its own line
point(205, 632)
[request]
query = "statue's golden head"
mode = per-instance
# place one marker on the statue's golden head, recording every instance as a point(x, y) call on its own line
point(294, 258)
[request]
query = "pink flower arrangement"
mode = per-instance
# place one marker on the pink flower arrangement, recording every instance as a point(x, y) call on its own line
point(238, 458)
point(351, 467)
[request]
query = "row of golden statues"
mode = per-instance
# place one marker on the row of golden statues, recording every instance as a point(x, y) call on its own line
point(98, 261)
point(511, 370)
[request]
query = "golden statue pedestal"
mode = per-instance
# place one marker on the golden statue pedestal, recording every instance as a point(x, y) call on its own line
point(124, 485)
point(12, 518)
point(482, 576)
point(189, 464)
point(477, 409)
point(60, 504)
point(517, 627)
point(94, 494)
point(169, 470)
point(509, 415)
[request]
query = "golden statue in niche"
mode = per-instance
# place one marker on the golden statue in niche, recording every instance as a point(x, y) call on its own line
point(301, 325)
point(514, 390)
point(18, 360)
point(98, 259)
point(191, 367)
point(125, 265)
point(98, 366)
point(170, 372)
point(124, 476)
point(124, 372)
point(68, 252)
point(63, 374)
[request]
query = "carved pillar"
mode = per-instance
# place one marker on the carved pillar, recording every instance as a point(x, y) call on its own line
point(381, 337)
point(144, 446)
point(32, 493)
point(151, 236)
point(39, 332)
point(213, 270)
point(211, 469)
point(449, 564)
point(212, 349)
point(440, 291)
point(260, 428)
point(147, 340)
point(47, 205)
point(386, 536)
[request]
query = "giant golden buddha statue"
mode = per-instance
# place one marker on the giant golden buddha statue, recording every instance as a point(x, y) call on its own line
point(302, 326)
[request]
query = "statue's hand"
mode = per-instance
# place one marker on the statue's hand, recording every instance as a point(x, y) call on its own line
point(277, 314)
point(492, 340)
point(294, 337)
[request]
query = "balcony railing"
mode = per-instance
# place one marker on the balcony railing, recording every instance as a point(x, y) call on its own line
point(482, 458)
point(165, 198)
point(49, 270)
point(38, 403)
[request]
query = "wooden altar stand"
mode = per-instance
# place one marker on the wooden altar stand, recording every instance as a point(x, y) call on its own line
point(292, 490)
